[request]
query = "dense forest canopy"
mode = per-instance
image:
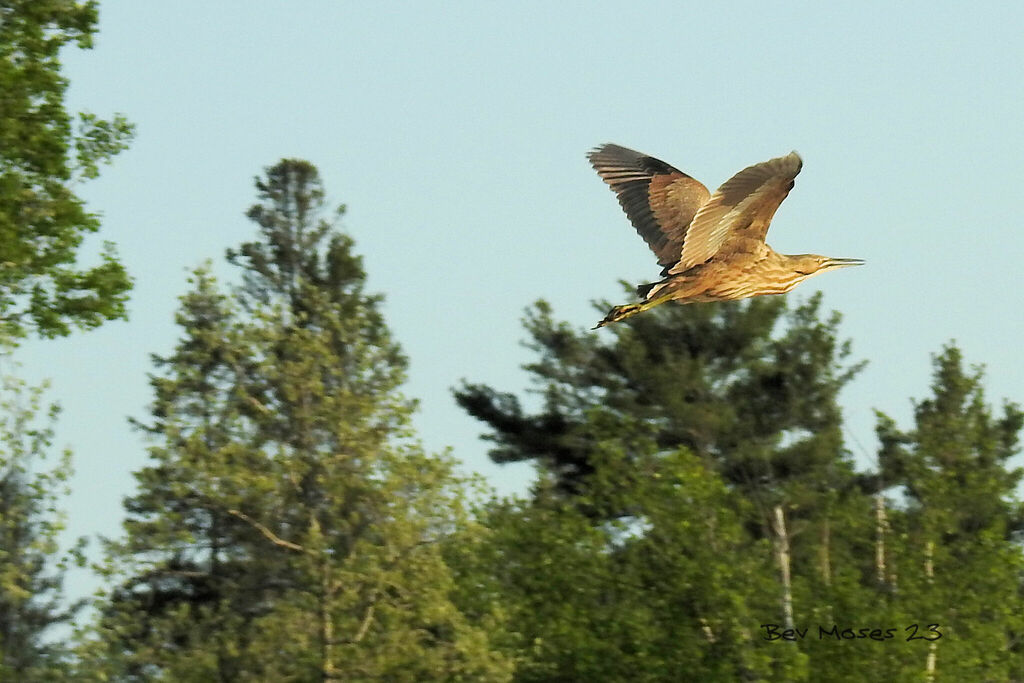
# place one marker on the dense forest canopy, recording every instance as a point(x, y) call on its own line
point(695, 514)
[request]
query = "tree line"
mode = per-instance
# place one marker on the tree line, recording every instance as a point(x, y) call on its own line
point(695, 515)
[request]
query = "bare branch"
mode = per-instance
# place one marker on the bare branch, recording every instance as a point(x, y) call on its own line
point(270, 535)
point(367, 619)
point(364, 625)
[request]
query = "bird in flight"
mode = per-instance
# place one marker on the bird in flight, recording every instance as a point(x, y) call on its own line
point(711, 246)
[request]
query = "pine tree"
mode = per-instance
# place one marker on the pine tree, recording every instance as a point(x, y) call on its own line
point(749, 392)
point(751, 387)
point(289, 527)
point(190, 579)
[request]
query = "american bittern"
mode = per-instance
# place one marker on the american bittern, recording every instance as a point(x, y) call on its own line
point(711, 246)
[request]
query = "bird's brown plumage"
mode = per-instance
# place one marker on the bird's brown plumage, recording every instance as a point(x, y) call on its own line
point(659, 200)
point(683, 223)
point(711, 246)
point(737, 216)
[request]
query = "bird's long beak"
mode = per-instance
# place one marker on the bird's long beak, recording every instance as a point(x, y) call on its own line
point(842, 263)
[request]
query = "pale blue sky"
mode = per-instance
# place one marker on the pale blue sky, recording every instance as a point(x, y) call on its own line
point(456, 132)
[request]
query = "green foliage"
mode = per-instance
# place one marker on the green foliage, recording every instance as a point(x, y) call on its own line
point(671, 593)
point(651, 550)
point(723, 381)
point(671, 443)
point(43, 155)
point(287, 527)
point(958, 560)
point(31, 568)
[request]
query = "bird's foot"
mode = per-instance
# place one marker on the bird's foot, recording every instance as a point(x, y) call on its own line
point(620, 313)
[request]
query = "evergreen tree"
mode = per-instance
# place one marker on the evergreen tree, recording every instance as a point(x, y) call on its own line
point(958, 561)
point(749, 392)
point(31, 569)
point(288, 527)
point(750, 387)
point(43, 154)
point(193, 592)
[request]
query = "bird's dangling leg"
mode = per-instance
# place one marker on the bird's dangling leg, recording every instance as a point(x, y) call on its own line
point(629, 310)
point(620, 313)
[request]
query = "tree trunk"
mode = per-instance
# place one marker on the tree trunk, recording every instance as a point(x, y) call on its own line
point(929, 571)
point(327, 670)
point(880, 528)
point(826, 560)
point(782, 556)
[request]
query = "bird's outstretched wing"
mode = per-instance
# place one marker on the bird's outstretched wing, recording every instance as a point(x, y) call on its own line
point(659, 200)
point(740, 211)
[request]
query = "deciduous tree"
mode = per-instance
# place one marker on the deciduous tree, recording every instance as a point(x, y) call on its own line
point(45, 152)
point(32, 567)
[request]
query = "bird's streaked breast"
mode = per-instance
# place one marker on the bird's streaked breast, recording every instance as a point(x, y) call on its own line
point(759, 281)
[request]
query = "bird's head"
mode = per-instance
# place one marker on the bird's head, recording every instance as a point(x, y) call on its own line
point(812, 264)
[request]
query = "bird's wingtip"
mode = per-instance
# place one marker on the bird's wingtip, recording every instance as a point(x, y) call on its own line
point(597, 149)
